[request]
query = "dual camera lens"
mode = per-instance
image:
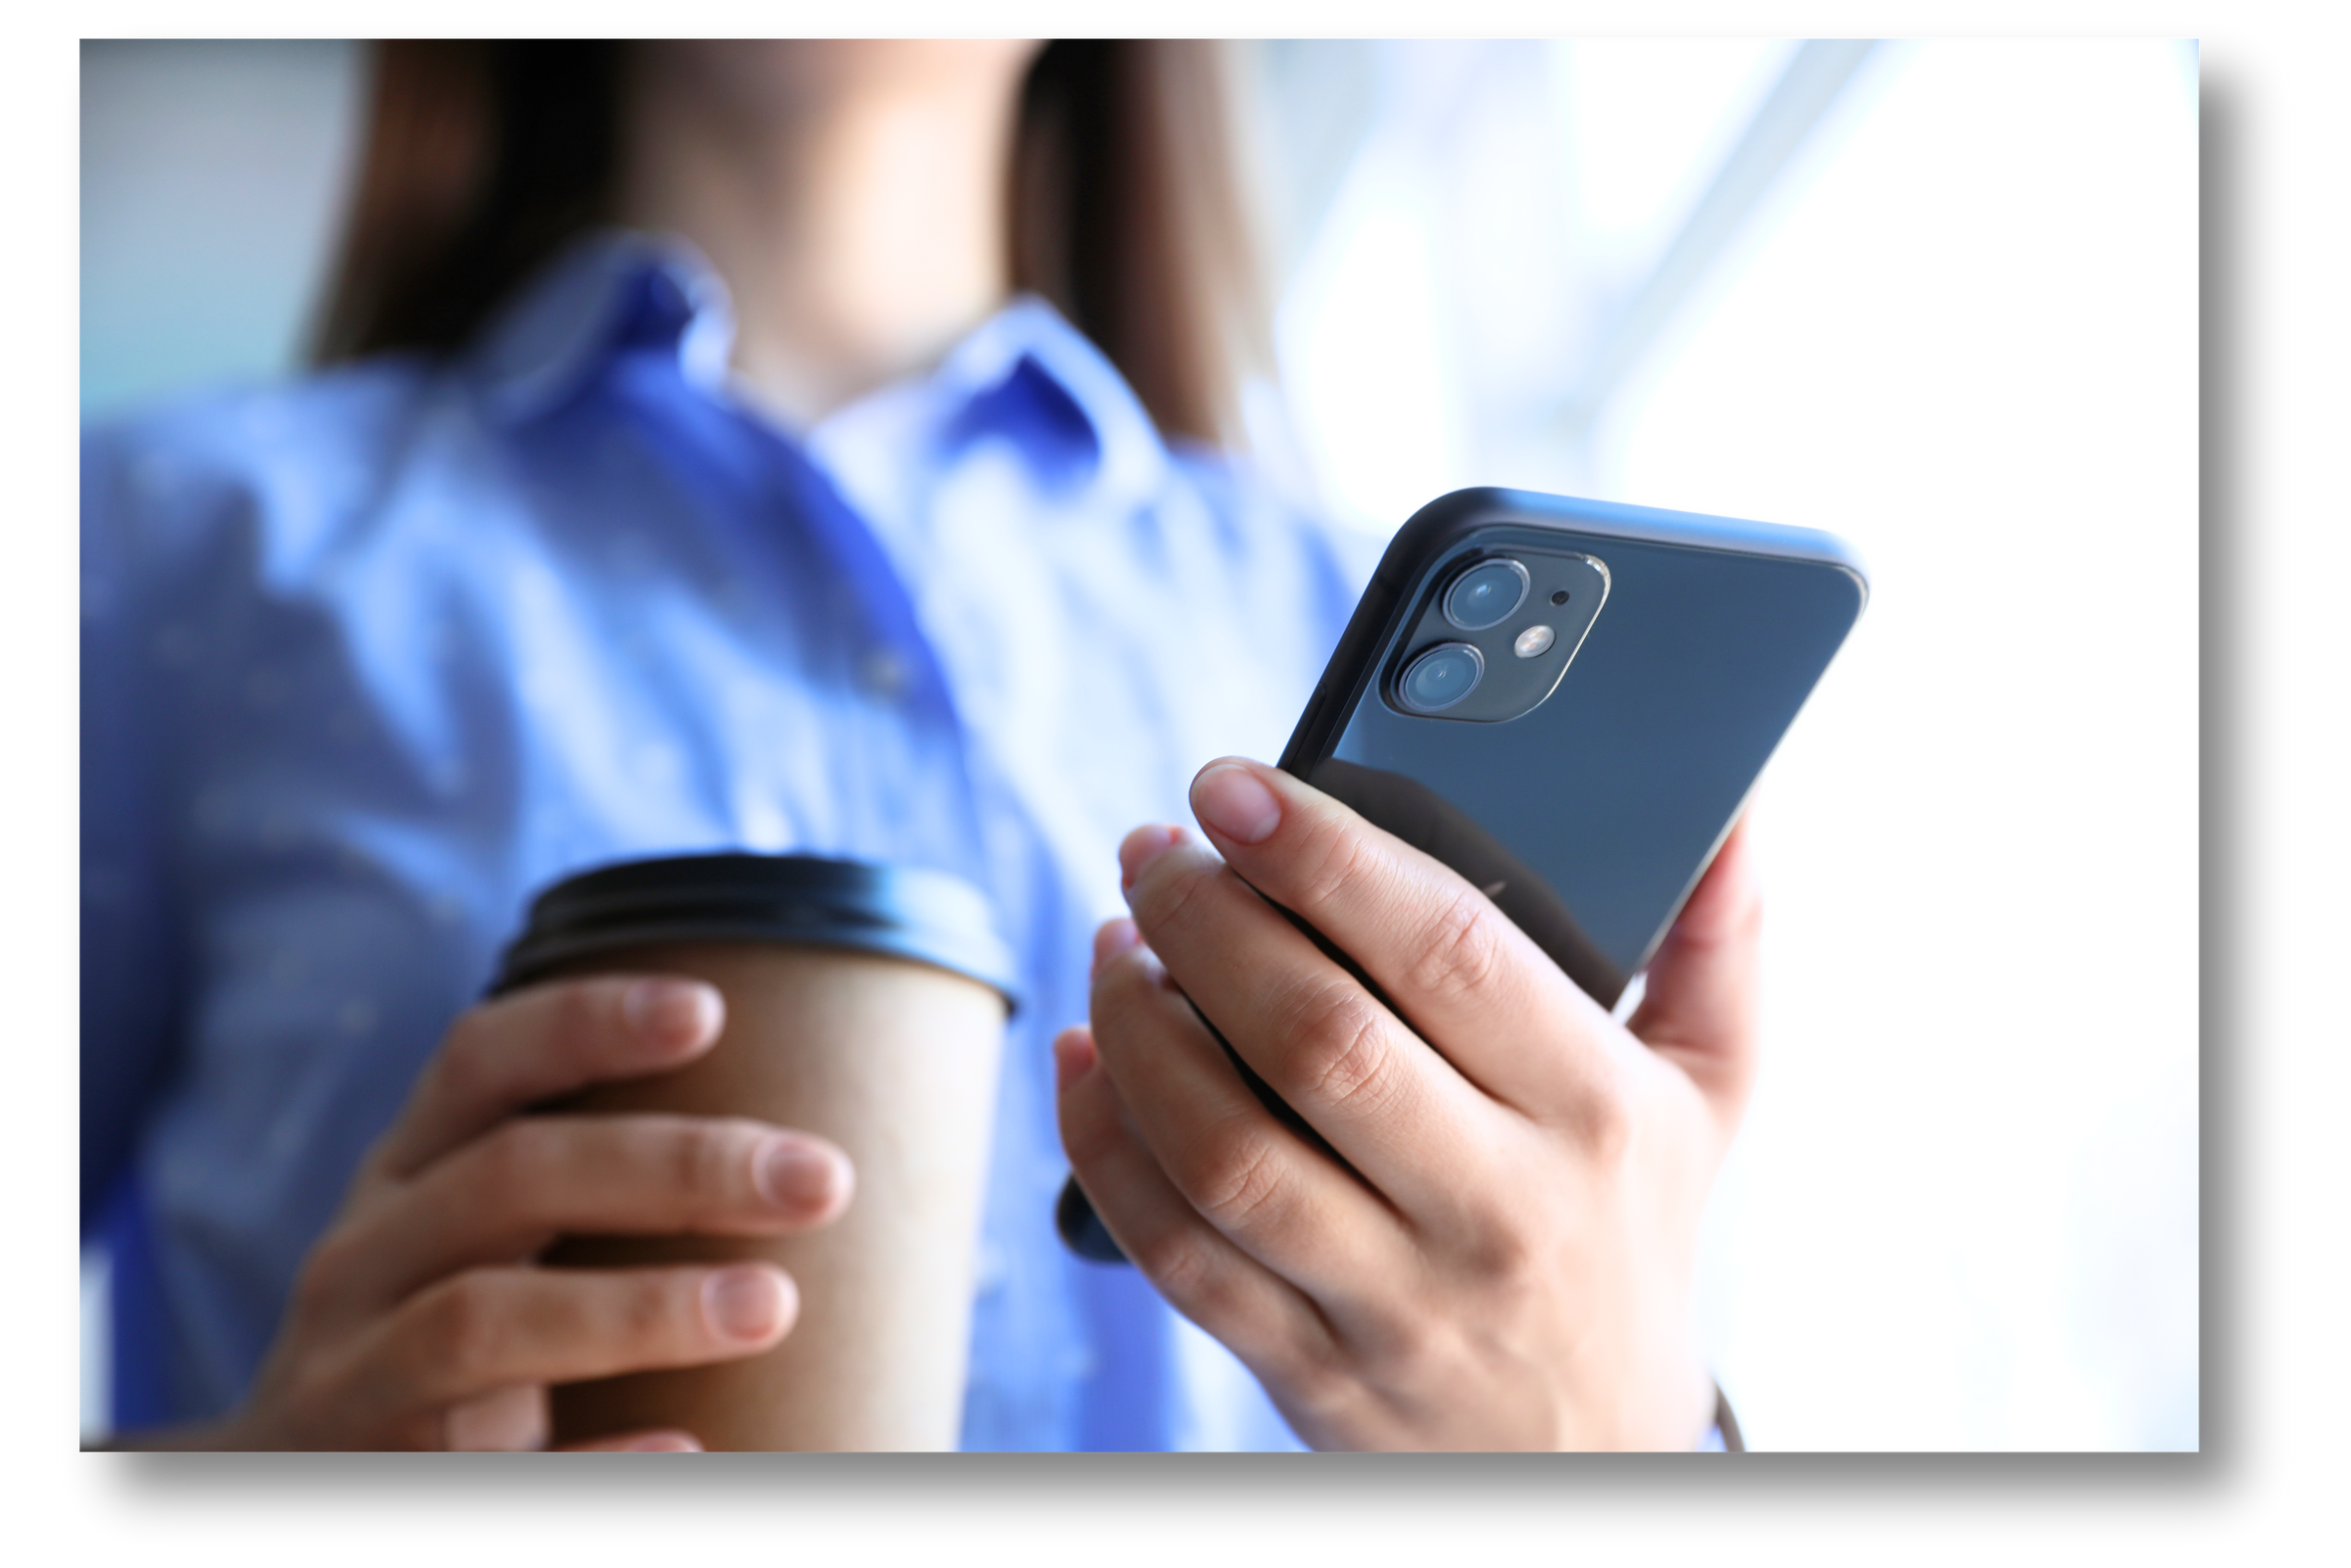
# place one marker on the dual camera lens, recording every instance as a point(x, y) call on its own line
point(1485, 596)
point(1441, 676)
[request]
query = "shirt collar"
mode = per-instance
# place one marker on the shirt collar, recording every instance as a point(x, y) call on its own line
point(1025, 374)
point(1019, 370)
point(609, 288)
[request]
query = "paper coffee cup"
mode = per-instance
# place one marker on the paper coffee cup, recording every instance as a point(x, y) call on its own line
point(866, 1005)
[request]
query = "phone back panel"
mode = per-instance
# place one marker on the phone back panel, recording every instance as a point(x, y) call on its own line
point(1589, 818)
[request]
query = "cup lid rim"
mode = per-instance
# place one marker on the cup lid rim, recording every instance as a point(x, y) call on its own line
point(911, 912)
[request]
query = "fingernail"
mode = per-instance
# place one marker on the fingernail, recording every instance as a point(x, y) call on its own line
point(1143, 847)
point(1233, 801)
point(666, 1443)
point(672, 1013)
point(1111, 939)
point(795, 1175)
point(745, 1303)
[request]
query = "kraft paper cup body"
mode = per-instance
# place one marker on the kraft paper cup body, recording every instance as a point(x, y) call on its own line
point(864, 1004)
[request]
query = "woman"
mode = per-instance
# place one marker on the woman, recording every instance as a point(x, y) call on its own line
point(865, 550)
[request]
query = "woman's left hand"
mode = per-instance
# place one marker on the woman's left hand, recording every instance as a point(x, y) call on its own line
point(1508, 1265)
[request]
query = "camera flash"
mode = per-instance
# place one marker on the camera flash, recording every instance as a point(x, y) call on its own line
point(1533, 643)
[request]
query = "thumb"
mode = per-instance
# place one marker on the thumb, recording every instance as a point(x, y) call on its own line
point(1701, 1010)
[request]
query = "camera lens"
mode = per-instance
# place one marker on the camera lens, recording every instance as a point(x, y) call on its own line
point(1485, 594)
point(1441, 676)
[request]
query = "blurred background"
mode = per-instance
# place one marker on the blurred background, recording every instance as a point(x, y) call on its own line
point(1940, 299)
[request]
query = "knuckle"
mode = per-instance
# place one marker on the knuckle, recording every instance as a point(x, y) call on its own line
point(1407, 1352)
point(1460, 952)
point(1338, 1054)
point(519, 1155)
point(700, 1160)
point(460, 1331)
point(1604, 1118)
point(1242, 1185)
point(1498, 1254)
point(1182, 1266)
point(1321, 1379)
point(651, 1316)
point(1333, 865)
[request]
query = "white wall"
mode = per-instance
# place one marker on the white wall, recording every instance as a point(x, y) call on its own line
point(210, 177)
point(1962, 333)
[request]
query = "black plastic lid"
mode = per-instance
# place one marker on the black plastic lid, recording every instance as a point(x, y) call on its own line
point(899, 912)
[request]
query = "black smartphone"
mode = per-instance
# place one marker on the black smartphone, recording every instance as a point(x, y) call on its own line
point(1567, 702)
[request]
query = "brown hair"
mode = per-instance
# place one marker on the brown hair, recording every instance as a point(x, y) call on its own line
point(482, 158)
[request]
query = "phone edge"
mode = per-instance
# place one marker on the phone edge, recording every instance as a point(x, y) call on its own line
point(1436, 527)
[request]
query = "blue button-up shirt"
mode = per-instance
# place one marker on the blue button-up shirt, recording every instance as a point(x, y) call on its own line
point(369, 659)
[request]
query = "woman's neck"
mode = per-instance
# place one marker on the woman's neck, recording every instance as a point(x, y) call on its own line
point(856, 211)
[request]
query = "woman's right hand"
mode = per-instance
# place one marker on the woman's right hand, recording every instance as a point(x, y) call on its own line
point(420, 1320)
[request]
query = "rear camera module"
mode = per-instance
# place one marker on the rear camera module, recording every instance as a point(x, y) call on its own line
point(1485, 594)
point(1441, 676)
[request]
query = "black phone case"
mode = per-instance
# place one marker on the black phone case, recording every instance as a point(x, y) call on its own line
point(1589, 816)
point(1592, 817)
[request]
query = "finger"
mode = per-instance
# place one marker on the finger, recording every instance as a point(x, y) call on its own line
point(1260, 1317)
point(1254, 1180)
point(1461, 974)
point(493, 1328)
point(511, 1192)
point(543, 1041)
point(1392, 1107)
point(509, 1420)
point(659, 1440)
point(1702, 1003)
